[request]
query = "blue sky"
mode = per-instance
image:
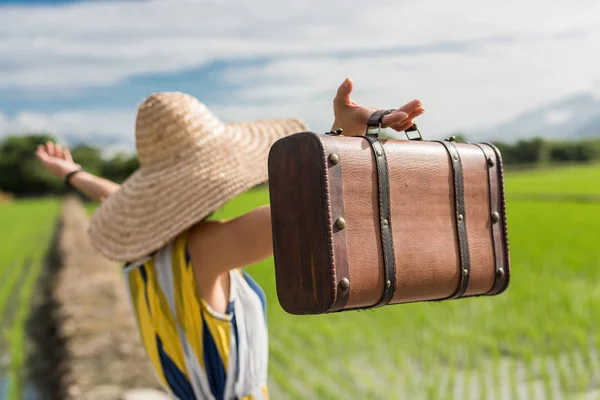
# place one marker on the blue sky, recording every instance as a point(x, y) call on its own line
point(79, 69)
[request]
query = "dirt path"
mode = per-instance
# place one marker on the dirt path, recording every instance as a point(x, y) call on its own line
point(105, 355)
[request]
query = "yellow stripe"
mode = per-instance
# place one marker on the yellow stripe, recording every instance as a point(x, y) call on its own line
point(146, 328)
point(164, 323)
point(189, 303)
point(265, 393)
point(186, 299)
point(221, 333)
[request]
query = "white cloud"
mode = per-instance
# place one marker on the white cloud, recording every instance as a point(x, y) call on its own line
point(471, 62)
point(74, 124)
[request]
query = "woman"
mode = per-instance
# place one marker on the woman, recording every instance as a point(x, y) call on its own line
point(202, 319)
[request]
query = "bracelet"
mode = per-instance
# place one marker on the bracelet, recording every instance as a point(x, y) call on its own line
point(69, 176)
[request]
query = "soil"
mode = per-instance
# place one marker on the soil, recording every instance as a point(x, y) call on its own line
point(86, 344)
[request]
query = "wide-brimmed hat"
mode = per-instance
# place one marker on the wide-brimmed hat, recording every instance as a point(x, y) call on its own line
point(191, 164)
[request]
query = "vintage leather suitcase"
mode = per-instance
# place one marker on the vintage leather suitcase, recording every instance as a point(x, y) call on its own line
point(360, 222)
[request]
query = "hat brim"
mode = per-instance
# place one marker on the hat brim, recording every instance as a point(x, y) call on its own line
point(154, 205)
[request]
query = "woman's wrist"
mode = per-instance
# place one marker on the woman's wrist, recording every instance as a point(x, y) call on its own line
point(67, 178)
point(69, 170)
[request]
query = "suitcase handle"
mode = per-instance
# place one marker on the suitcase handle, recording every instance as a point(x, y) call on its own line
point(376, 119)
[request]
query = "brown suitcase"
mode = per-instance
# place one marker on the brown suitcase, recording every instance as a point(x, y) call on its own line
point(361, 222)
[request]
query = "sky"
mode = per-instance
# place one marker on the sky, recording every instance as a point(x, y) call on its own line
point(79, 69)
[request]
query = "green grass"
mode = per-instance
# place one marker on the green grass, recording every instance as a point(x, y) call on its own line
point(549, 309)
point(573, 179)
point(407, 351)
point(24, 239)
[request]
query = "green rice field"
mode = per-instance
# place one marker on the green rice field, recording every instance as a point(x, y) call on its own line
point(27, 227)
point(539, 339)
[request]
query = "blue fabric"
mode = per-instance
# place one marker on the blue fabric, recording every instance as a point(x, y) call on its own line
point(234, 329)
point(215, 370)
point(187, 256)
point(145, 278)
point(177, 381)
point(258, 290)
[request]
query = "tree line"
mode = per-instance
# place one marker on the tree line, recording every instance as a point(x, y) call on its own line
point(22, 175)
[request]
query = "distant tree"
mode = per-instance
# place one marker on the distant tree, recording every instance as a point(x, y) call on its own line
point(530, 151)
point(88, 157)
point(20, 171)
point(120, 167)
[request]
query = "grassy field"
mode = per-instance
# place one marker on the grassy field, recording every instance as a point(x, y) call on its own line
point(27, 227)
point(540, 335)
point(538, 340)
point(568, 181)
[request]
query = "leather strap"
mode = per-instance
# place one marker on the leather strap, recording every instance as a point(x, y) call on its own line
point(461, 220)
point(385, 222)
point(494, 177)
point(69, 176)
point(336, 204)
point(377, 117)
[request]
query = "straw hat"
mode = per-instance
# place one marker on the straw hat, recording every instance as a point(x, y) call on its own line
point(190, 165)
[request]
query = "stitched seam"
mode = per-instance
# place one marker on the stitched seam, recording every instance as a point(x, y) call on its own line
point(381, 229)
point(392, 253)
point(340, 300)
point(465, 258)
point(457, 211)
point(490, 212)
point(329, 219)
point(504, 217)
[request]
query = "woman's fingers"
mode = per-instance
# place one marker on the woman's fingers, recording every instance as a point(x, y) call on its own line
point(402, 118)
point(411, 106)
point(408, 122)
point(58, 151)
point(395, 118)
point(403, 126)
point(51, 150)
point(68, 156)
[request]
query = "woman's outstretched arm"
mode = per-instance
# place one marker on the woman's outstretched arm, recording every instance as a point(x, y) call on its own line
point(59, 162)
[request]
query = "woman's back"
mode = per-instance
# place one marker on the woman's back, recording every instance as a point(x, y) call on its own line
point(197, 351)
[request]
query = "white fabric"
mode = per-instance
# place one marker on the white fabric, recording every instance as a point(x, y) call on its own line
point(252, 335)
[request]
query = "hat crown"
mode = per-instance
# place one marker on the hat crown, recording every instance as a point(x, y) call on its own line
point(170, 125)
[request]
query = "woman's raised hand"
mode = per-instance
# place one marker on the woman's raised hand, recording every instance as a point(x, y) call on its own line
point(352, 118)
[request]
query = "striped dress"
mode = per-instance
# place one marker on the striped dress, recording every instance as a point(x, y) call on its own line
point(196, 352)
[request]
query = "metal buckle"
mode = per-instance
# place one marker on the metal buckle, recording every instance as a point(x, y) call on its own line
point(413, 128)
point(373, 134)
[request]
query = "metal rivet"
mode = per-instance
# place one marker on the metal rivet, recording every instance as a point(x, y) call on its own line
point(344, 283)
point(379, 153)
point(495, 217)
point(465, 272)
point(455, 157)
point(500, 272)
point(460, 217)
point(340, 223)
point(490, 162)
point(388, 283)
point(334, 158)
point(385, 222)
